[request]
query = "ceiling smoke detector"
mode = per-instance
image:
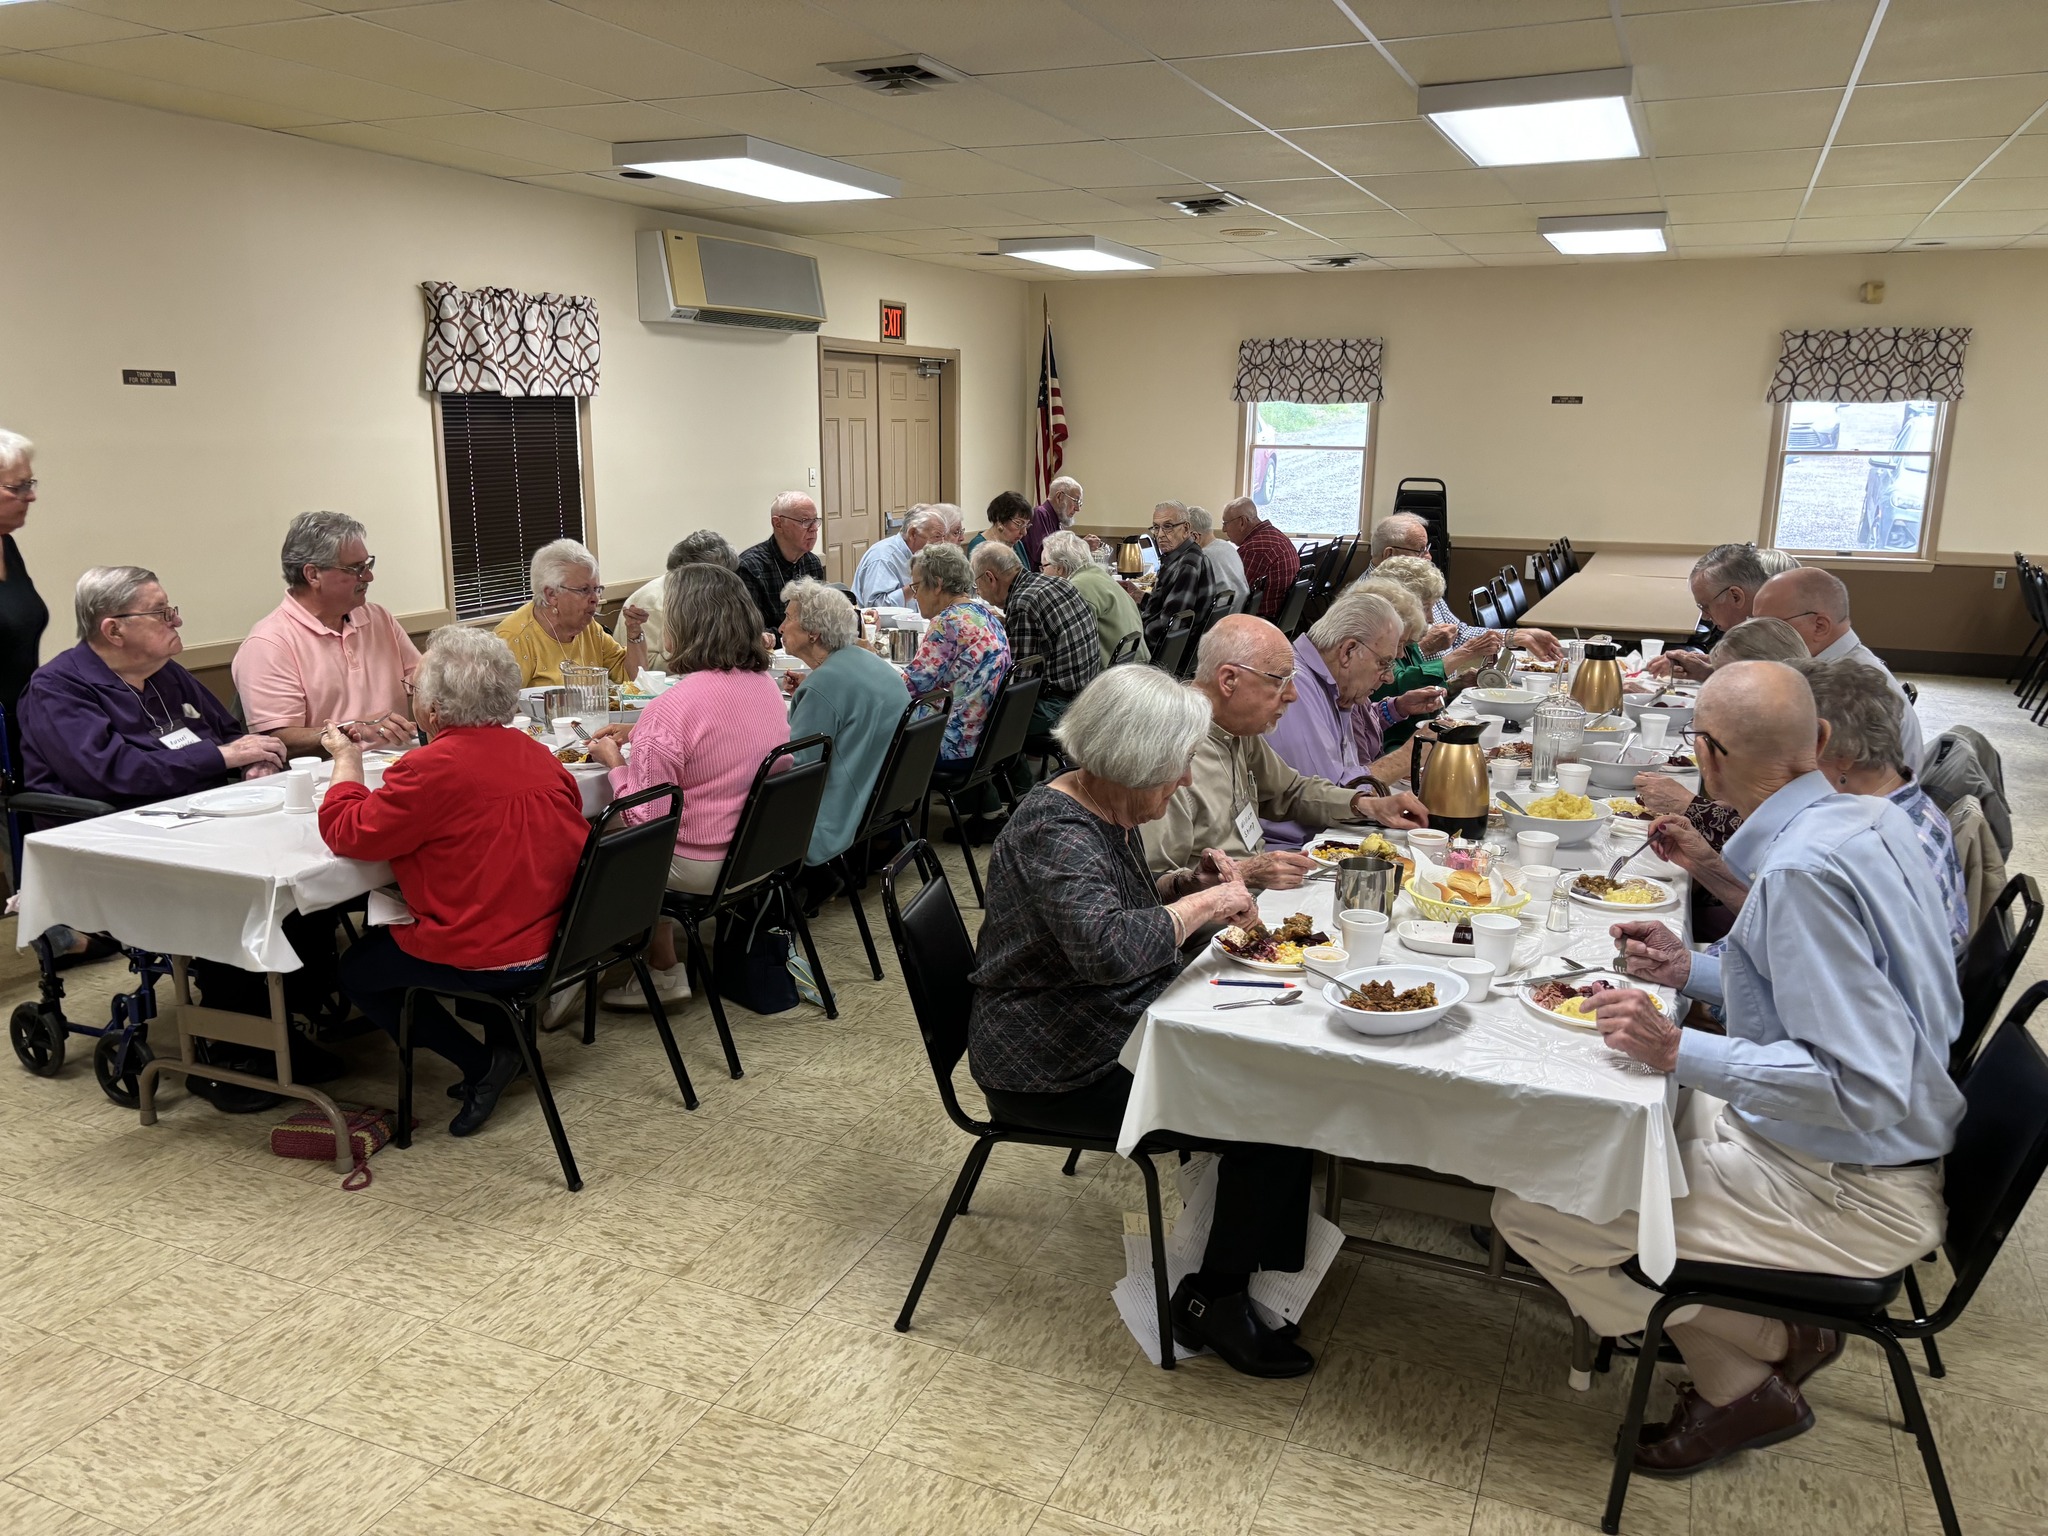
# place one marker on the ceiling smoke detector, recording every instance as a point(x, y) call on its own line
point(909, 74)
point(1201, 204)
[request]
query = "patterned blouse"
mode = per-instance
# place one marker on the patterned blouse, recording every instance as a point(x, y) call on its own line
point(1713, 821)
point(967, 651)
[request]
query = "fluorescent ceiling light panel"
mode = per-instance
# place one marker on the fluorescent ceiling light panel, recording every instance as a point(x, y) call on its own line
point(1537, 120)
point(1605, 234)
point(1079, 253)
point(754, 167)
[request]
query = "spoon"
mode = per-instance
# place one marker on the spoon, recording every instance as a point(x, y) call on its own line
point(1284, 1000)
point(1512, 803)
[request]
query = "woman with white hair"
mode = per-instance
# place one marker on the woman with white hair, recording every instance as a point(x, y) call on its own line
point(1408, 583)
point(851, 695)
point(560, 624)
point(23, 614)
point(965, 650)
point(447, 818)
point(1066, 555)
point(1088, 939)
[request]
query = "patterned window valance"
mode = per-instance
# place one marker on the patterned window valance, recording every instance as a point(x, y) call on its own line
point(1316, 370)
point(498, 341)
point(1879, 363)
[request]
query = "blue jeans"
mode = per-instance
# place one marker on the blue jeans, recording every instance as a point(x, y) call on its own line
point(376, 972)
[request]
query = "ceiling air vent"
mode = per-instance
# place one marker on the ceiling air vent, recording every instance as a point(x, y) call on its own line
point(1338, 263)
point(908, 74)
point(1198, 205)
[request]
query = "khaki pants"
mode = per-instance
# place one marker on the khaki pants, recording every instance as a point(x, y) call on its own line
point(1749, 1201)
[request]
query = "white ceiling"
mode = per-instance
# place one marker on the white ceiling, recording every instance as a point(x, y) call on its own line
point(1774, 127)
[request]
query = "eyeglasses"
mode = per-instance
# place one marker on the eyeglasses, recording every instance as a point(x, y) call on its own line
point(21, 487)
point(164, 615)
point(797, 522)
point(1806, 613)
point(1166, 527)
point(580, 591)
point(1694, 738)
point(1278, 679)
point(359, 570)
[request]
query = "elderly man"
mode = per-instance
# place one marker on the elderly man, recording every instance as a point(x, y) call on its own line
point(1406, 534)
point(1246, 670)
point(326, 652)
point(1816, 1124)
point(1334, 729)
point(784, 556)
point(1264, 551)
point(1061, 506)
point(1815, 603)
point(1183, 582)
point(1725, 582)
point(882, 579)
point(1226, 566)
point(1116, 616)
point(704, 547)
point(1045, 618)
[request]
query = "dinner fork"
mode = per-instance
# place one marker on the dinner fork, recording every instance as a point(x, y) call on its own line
point(1615, 868)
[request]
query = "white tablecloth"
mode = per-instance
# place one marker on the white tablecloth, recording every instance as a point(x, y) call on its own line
point(1488, 1093)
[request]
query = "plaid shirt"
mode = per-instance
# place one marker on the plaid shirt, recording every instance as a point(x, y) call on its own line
point(1938, 842)
point(766, 573)
point(1049, 618)
point(1268, 552)
point(1184, 583)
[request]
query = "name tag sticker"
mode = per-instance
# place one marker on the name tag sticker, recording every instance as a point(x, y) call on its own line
point(180, 738)
point(1249, 832)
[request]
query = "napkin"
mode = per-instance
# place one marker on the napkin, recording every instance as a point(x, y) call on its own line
point(1430, 879)
point(387, 908)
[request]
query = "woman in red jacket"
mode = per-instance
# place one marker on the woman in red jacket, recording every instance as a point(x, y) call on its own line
point(483, 829)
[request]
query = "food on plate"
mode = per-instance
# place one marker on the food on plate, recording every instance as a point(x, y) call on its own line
point(1632, 892)
point(1274, 946)
point(1528, 664)
point(573, 752)
point(1520, 751)
point(1467, 888)
point(1380, 997)
point(1561, 806)
point(1679, 760)
point(1561, 997)
point(1374, 845)
point(1630, 810)
point(1499, 695)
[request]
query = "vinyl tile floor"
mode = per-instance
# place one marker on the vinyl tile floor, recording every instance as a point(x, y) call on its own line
point(198, 1337)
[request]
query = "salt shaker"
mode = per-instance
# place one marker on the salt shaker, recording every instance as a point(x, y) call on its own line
point(1559, 918)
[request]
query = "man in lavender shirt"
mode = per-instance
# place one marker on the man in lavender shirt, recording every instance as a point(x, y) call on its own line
point(1333, 728)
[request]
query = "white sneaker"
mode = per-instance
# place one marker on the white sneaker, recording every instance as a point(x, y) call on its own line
point(560, 1008)
point(671, 986)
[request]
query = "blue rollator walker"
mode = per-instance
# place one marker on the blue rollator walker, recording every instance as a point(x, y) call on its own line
point(38, 1031)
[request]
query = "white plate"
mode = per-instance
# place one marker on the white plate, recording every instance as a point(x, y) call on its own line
point(239, 800)
point(1581, 979)
point(1348, 839)
point(1451, 989)
point(1270, 967)
point(1583, 899)
point(1427, 938)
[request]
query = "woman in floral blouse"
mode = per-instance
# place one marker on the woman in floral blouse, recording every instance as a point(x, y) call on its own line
point(965, 650)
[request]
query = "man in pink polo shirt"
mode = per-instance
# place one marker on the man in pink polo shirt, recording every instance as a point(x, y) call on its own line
point(324, 653)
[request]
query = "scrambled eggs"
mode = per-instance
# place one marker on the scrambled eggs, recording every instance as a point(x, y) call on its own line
point(1634, 895)
point(1560, 806)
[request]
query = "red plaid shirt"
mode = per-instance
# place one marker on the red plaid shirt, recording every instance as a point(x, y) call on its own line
point(1269, 553)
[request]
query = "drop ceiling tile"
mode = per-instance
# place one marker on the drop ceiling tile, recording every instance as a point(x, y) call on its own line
point(1728, 207)
point(1120, 101)
point(800, 120)
point(888, 245)
point(786, 41)
point(207, 66)
point(190, 15)
point(1293, 246)
point(967, 116)
point(1756, 232)
point(987, 37)
point(828, 218)
point(66, 75)
point(1850, 165)
point(1144, 202)
point(1897, 197)
point(1758, 171)
point(2025, 156)
point(1725, 252)
point(1589, 206)
point(1222, 157)
point(669, 197)
point(1441, 189)
point(1929, 40)
point(1060, 207)
point(954, 212)
point(1310, 88)
point(1424, 263)
point(942, 172)
point(1365, 226)
point(620, 122)
point(1590, 180)
point(1748, 51)
point(2007, 193)
point(1431, 18)
point(512, 137)
point(56, 26)
point(1179, 29)
point(1719, 125)
point(1546, 258)
point(1509, 52)
point(1950, 109)
point(1250, 268)
point(572, 45)
point(1214, 251)
point(1382, 149)
point(386, 141)
point(1862, 226)
point(351, 46)
point(1498, 218)
point(1301, 196)
point(1501, 244)
point(1840, 247)
point(1948, 224)
point(1156, 234)
point(1096, 163)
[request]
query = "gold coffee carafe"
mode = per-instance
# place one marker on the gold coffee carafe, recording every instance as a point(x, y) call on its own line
point(1130, 556)
point(1452, 781)
point(1597, 687)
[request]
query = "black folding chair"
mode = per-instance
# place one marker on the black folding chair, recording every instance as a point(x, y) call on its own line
point(2035, 653)
point(1569, 555)
point(899, 791)
point(1993, 957)
point(609, 917)
point(1294, 611)
point(936, 955)
point(767, 850)
point(1546, 575)
point(1002, 739)
point(1517, 595)
point(1254, 599)
point(2001, 1149)
point(1178, 642)
point(1220, 607)
point(1485, 611)
point(1127, 648)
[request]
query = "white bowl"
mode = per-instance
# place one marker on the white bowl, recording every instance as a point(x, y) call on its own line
point(1675, 707)
point(1451, 990)
point(1570, 834)
point(1617, 775)
point(1509, 703)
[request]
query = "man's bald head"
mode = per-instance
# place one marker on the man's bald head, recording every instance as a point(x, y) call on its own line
point(1761, 715)
point(1242, 640)
point(1812, 601)
point(1240, 667)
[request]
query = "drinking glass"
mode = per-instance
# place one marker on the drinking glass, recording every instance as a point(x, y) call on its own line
point(589, 695)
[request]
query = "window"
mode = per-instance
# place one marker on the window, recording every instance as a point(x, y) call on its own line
point(1856, 479)
point(1305, 465)
point(514, 468)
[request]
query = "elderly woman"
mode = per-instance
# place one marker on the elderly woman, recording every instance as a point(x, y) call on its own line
point(851, 695)
point(1089, 938)
point(967, 651)
point(560, 625)
point(23, 615)
point(1413, 673)
point(445, 817)
point(1009, 519)
point(1065, 556)
point(708, 734)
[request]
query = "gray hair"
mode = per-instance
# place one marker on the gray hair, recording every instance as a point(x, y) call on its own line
point(1760, 640)
point(467, 676)
point(1229, 645)
point(787, 502)
point(1201, 520)
point(1414, 617)
point(15, 450)
point(1415, 573)
point(927, 520)
point(824, 611)
point(1244, 504)
point(1776, 562)
point(993, 554)
point(1134, 726)
point(1866, 720)
point(1066, 552)
point(704, 547)
point(1388, 529)
point(1178, 508)
point(942, 566)
point(956, 525)
point(315, 538)
point(1732, 565)
point(553, 561)
point(1355, 615)
point(1061, 483)
point(105, 591)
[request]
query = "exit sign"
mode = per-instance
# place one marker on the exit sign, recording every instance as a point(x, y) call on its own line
point(895, 320)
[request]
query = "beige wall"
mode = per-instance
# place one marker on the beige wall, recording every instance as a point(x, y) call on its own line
point(1673, 358)
point(280, 279)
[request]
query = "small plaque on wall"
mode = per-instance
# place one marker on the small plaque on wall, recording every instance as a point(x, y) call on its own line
point(895, 320)
point(1567, 399)
point(148, 376)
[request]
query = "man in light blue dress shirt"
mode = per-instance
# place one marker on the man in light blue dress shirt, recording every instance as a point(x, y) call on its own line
point(881, 578)
point(1812, 1137)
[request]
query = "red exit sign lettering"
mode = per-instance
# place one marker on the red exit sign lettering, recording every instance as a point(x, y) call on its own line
point(895, 320)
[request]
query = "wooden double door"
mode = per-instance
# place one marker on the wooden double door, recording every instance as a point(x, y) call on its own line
point(879, 422)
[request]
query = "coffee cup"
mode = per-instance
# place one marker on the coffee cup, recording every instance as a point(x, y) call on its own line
point(1572, 778)
point(1536, 847)
point(1478, 976)
point(1652, 649)
point(1430, 841)
point(1493, 940)
point(1364, 933)
point(1652, 726)
point(1540, 881)
point(1503, 773)
point(298, 789)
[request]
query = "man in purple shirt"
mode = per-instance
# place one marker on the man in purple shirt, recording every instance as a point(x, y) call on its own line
point(1061, 506)
point(1333, 728)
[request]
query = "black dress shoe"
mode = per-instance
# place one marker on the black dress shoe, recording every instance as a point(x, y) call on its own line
point(314, 1063)
point(232, 1098)
point(460, 1088)
point(481, 1097)
point(1230, 1326)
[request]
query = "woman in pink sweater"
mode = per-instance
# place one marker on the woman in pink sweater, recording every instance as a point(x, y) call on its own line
point(708, 734)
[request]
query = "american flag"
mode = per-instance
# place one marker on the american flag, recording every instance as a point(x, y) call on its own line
point(1051, 423)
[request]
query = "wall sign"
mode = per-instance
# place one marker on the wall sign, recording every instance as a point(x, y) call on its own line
point(148, 376)
point(1567, 399)
point(895, 320)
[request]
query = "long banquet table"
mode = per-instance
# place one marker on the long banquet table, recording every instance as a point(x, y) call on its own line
point(1624, 595)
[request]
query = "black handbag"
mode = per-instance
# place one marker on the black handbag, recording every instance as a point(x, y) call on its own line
point(750, 962)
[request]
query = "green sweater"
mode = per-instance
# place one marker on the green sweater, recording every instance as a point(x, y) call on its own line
point(1115, 614)
point(1410, 672)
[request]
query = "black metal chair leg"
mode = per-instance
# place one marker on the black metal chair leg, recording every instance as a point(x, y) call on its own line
point(702, 963)
point(1934, 1366)
point(803, 933)
point(966, 847)
point(1916, 1420)
point(860, 916)
point(528, 1049)
point(1632, 1421)
point(402, 1135)
point(668, 1036)
point(974, 1184)
point(1073, 1161)
point(589, 1010)
point(970, 1173)
point(1155, 1219)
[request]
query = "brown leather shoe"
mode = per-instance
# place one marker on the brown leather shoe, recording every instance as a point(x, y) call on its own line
point(1812, 1349)
point(1700, 1435)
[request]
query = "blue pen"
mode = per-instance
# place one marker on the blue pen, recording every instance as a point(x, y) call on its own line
point(1218, 981)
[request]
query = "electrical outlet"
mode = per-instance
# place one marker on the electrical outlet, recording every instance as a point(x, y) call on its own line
point(1998, 580)
point(814, 483)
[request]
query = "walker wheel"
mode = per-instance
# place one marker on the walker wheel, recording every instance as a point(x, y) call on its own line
point(38, 1039)
point(124, 1089)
